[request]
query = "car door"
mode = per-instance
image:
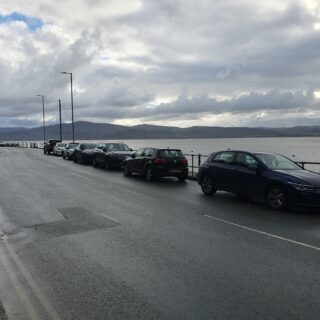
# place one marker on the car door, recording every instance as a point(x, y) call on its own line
point(133, 162)
point(249, 178)
point(99, 153)
point(222, 170)
point(147, 158)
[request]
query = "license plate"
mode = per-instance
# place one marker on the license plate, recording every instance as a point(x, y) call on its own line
point(175, 170)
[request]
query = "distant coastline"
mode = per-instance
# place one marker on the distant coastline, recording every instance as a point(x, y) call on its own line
point(99, 131)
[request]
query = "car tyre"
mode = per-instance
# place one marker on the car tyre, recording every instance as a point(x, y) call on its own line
point(75, 158)
point(206, 184)
point(94, 161)
point(126, 171)
point(182, 178)
point(149, 175)
point(107, 165)
point(276, 197)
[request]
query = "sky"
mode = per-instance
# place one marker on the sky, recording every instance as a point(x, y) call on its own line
point(170, 62)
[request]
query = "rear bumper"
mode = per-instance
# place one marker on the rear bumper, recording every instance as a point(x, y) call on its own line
point(165, 172)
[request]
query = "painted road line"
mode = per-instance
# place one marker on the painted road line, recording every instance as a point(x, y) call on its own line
point(78, 175)
point(133, 192)
point(32, 314)
point(265, 233)
point(31, 282)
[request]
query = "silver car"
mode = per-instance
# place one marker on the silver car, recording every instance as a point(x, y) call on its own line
point(69, 150)
point(59, 148)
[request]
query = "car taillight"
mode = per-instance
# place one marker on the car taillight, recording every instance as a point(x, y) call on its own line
point(160, 161)
point(184, 161)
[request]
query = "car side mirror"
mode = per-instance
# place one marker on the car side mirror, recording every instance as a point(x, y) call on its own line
point(131, 149)
point(104, 149)
point(133, 156)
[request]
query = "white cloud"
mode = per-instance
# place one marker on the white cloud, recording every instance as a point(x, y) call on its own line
point(128, 57)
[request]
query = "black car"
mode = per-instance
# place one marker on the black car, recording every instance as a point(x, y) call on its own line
point(272, 177)
point(83, 153)
point(49, 145)
point(110, 155)
point(153, 163)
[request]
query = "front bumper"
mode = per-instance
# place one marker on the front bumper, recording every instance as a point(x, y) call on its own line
point(304, 199)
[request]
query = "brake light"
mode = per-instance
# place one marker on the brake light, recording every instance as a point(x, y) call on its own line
point(184, 161)
point(160, 161)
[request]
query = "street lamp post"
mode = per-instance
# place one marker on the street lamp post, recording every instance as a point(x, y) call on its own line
point(44, 119)
point(71, 103)
point(60, 119)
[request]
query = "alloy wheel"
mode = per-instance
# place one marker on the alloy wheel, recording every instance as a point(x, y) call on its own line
point(207, 185)
point(276, 198)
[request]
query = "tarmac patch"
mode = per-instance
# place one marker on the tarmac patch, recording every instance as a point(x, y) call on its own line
point(77, 220)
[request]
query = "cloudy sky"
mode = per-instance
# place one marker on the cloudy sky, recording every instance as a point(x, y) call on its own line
point(168, 62)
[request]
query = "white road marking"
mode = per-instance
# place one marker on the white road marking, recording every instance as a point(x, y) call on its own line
point(78, 175)
point(19, 290)
point(265, 233)
point(133, 192)
point(32, 284)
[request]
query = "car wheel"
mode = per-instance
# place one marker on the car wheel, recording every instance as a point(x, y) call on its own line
point(126, 171)
point(94, 161)
point(149, 174)
point(182, 178)
point(83, 159)
point(206, 184)
point(107, 165)
point(74, 158)
point(67, 156)
point(276, 197)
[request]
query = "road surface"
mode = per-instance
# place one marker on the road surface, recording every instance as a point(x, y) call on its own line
point(79, 242)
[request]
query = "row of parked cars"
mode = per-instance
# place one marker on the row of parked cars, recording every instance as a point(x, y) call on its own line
point(151, 162)
point(271, 177)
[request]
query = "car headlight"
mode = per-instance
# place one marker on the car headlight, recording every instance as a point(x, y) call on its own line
point(303, 187)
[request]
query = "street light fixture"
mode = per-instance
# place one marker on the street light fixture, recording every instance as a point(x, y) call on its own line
point(71, 103)
point(44, 120)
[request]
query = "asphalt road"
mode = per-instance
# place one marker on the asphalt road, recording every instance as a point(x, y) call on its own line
point(78, 242)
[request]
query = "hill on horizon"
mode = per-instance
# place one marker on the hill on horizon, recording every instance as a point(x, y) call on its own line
point(99, 131)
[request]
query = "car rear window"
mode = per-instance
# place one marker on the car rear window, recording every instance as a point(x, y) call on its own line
point(171, 154)
point(89, 146)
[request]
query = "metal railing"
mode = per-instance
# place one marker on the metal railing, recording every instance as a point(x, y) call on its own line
point(194, 160)
point(194, 163)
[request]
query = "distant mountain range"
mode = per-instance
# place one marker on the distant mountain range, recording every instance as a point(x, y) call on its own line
point(104, 131)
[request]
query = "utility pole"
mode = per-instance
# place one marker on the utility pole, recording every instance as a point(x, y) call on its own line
point(60, 120)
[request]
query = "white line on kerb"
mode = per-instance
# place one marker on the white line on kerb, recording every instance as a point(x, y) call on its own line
point(32, 284)
point(265, 233)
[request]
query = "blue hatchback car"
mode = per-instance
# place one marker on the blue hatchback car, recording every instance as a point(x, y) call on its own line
point(272, 177)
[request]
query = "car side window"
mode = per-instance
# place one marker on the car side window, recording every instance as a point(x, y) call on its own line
point(149, 153)
point(246, 160)
point(224, 157)
point(139, 153)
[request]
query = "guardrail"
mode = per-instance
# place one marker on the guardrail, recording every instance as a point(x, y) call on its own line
point(194, 161)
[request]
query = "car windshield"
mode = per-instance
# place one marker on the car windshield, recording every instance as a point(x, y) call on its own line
point(89, 146)
point(61, 145)
point(73, 145)
point(171, 153)
point(117, 147)
point(277, 162)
